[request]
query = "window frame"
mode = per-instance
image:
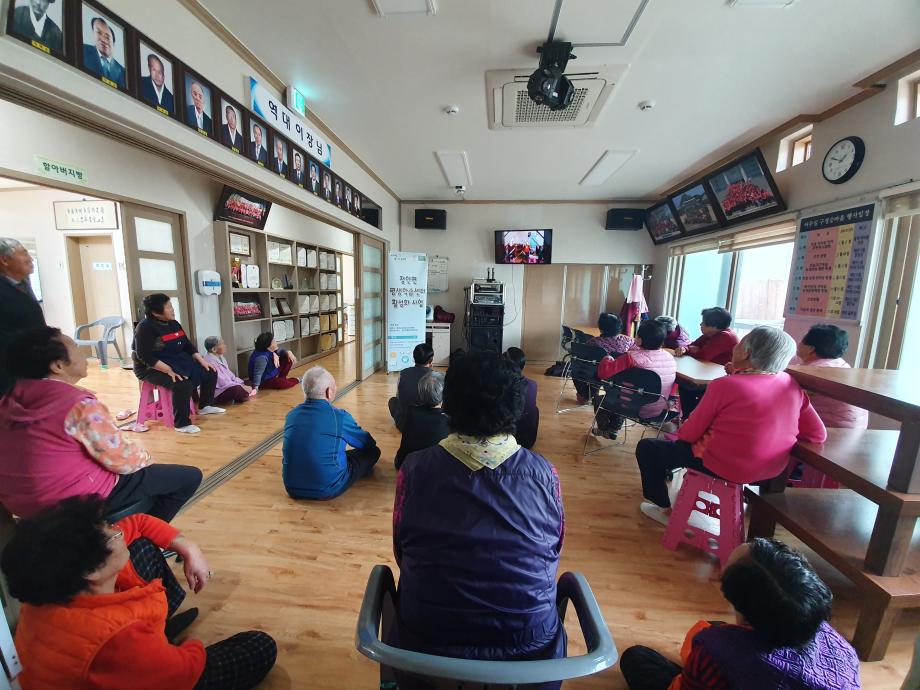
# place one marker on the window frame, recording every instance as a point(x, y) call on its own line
point(804, 145)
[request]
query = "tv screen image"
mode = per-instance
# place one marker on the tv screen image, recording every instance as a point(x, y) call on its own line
point(523, 246)
point(242, 208)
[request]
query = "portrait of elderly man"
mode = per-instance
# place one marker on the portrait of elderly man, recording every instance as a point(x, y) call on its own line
point(197, 114)
point(154, 89)
point(31, 22)
point(100, 56)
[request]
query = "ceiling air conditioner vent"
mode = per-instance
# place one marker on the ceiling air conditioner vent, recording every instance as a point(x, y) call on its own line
point(511, 107)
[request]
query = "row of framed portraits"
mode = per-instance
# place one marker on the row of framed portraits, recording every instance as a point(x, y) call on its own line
point(735, 193)
point(86, 34)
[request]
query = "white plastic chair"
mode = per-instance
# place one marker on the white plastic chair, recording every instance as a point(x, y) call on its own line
point(110, 325)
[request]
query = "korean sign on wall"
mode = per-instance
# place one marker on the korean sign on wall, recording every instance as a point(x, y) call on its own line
point(407, 278)
point(264, 104)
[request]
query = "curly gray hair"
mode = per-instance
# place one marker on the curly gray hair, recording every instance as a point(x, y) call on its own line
point(768, 349)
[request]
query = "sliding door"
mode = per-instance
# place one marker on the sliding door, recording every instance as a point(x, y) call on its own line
point(371, 304)
point(544, 287)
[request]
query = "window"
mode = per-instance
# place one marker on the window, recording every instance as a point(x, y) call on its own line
point(908, 107)
point(759, 292)
point(704, 284)
point(801, 149)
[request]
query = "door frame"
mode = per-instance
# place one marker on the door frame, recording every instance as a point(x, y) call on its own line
point(361, 240)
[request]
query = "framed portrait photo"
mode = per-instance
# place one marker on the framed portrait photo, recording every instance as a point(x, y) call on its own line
point(357, 204)
point(156, 77)
point(281, 151)
point(258, 141)
point(103, 51)
point(744, 189)
point(41, 24)
point(327, 185)
point(298, 167)
point(314, 176)
point(338, 195)
point(349, 198)
point(662, 223)
point(198, 99)
point(232, 124)
point(696, 209)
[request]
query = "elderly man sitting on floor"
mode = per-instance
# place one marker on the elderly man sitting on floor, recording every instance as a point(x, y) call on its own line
point(315, 463)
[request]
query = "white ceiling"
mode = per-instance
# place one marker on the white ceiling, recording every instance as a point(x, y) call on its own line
point(719, 76)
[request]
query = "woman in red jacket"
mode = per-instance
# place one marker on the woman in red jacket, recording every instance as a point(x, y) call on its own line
point(95, 603)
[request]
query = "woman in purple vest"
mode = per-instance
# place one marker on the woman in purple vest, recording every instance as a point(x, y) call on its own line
point(477, 530)
point(781, 637)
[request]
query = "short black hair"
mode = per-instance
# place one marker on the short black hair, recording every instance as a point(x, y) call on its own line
point(652, 334)
point(263, 341)
point(778, 593)
point(516, 356)
point(829, 341)
point(154, 56)
point(92, 25)
point(483, 394)
point(717, 317)
point(609, 325)
point(155, 303)
point(36, 350)
point(50, 554)
point(423, 354)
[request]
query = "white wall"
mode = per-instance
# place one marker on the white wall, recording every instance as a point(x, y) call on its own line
point(469, 242)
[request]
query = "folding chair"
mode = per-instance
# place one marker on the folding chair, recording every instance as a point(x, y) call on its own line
point(582, 367)
point(378, 614)
point(565, 343)
point(625, 395)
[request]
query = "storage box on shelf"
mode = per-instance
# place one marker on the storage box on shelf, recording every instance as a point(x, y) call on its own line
point(272, 284)
point(866, 528)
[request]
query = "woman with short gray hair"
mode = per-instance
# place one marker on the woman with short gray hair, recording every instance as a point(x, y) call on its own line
point(425, 424)
point(676, 335)
point(743, 428)
point(230, 387)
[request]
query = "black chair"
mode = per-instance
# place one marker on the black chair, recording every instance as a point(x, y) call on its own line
point(625, 395)
point(565, 342)
point(581, 336)
point(582, 367)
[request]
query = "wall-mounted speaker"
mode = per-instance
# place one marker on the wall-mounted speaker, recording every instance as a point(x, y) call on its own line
point(625, 219)
point(430, 219)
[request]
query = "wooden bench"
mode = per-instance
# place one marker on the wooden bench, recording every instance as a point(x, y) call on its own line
point(838, 524)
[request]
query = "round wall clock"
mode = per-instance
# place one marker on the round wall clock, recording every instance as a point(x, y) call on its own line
point(843, 160)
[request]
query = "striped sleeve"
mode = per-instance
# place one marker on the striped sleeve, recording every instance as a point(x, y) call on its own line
point(701, 672)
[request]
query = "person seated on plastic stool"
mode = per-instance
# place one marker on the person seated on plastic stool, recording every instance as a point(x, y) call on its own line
point(780, 637)
point(98, 605)
point(315, 463)
point(477, 530)
point(59, 441)
point(742, 430)
point(407, 388)
point(646, 355)
point(164, 356)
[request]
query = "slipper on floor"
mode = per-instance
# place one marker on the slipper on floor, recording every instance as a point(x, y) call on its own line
point(124, 414)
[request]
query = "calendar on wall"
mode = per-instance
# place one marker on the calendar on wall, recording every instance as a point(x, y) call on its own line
point(437, 273)
point(831, 264)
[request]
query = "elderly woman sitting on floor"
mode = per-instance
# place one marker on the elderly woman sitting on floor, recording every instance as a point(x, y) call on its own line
point(477, 530)
point(743, 428)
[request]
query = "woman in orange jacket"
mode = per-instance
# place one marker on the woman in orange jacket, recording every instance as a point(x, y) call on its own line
point(96, 601)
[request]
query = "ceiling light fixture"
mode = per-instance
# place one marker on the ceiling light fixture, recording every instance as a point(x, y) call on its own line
point(386, 8)
point(456, 168)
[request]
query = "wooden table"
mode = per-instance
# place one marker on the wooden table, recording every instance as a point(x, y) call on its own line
point(698, 373)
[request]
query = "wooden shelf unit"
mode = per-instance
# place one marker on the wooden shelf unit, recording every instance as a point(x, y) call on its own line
point(296, 281)
point(866, 529)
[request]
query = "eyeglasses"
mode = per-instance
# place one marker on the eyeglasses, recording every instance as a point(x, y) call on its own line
point(115, 536)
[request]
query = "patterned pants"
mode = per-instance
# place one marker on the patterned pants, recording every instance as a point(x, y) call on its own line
point(237, 663)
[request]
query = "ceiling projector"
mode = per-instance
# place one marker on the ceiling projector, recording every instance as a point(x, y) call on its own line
point(548, 85)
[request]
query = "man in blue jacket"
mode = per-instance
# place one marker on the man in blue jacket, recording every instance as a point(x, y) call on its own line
point(315, 463)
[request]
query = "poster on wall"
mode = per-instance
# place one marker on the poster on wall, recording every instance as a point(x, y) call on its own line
point(438, 267)
point(831, 264)
point(407, 275)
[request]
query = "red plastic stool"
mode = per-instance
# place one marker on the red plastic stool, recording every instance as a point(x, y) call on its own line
point(156, 405)
point(721, 500)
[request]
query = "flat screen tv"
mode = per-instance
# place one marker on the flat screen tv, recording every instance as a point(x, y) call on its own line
point(242, 208)
point(524, 246)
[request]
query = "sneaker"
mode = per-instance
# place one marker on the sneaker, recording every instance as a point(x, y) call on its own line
point(176, 625)
point(655, 512)
point(210, 409)
point(190, 429)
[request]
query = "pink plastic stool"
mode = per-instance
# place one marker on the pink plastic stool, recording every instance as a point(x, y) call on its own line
point(156, 405)
point(720, 500)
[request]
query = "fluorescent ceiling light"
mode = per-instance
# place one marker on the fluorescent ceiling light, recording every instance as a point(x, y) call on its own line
point(386, 8)
point(606, 165)
point(456, 168)
point(760, 3)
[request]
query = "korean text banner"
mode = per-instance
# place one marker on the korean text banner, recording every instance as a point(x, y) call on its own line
point(264, 104)
point(407, 278)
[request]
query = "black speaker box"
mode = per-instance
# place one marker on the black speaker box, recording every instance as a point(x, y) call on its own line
point(430, 219)
point(625, 219)
point(486, 339)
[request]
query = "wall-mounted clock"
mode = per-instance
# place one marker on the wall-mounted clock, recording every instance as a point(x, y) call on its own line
point(843, 160)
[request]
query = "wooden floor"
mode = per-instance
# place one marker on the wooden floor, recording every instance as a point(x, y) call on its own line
point(298, 569)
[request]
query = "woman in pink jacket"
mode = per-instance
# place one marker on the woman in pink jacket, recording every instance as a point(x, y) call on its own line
point(743, 428)
point(824, 346)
